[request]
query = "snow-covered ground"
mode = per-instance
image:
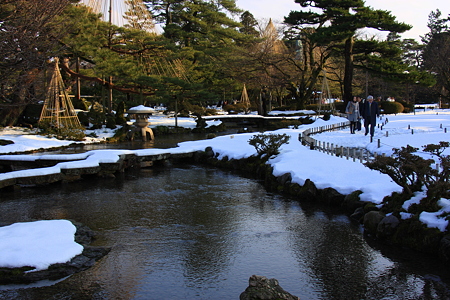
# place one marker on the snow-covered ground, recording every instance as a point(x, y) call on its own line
point(346, 176)
point(416, 130)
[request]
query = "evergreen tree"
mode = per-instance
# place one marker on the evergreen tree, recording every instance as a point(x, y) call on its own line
point(337, 22)
point(29, 36)
point(206, 36)
point(124, 54)
point(194, 23)
point(249, 24)
point(436, 24)
point(436, 54)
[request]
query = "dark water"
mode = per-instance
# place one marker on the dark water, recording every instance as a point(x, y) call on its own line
point(200, 233)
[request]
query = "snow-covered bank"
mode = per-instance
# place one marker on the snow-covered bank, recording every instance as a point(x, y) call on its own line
point(296, 159)
point(38, 244)
point(302, 163)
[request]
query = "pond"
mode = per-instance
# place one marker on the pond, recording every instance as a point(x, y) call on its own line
point(160, 142)
point(190, 232)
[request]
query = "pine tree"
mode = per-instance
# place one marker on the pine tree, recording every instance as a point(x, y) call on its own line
point(436, 53)
point(198, 22)
point(249, 24)
point(337, 23)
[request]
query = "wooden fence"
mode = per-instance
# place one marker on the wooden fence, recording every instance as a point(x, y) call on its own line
point(353, 153)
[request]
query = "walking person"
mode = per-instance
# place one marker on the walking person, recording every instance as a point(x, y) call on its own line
point(370, 112)
point(358, 122)
point(352, 111)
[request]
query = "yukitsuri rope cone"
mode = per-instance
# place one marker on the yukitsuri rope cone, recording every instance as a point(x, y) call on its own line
point(58, 110)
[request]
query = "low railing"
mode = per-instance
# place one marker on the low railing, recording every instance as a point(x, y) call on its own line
point(353, 153)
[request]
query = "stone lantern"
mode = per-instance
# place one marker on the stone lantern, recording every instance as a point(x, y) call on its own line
point(141, 114)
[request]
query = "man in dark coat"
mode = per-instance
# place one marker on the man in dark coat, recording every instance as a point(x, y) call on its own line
point(370, 111)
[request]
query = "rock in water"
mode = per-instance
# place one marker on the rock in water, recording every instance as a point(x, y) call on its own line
point(261, 288)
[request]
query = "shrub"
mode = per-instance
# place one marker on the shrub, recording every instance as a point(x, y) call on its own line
point(267, 145)
point(110, 122)
point(160, 129)
point(97, 115)
point(50, 130)
point(408, 107)
point(201, 123)
point(30, 115)
point(80, 104)
point(84, 118)
point(235, 108)
point(120, 113)
point(413, 172)
point(392, 107)
point(195, 109)
point(284, 124)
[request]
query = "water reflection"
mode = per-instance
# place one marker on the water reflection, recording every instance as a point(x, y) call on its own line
point(200, 233)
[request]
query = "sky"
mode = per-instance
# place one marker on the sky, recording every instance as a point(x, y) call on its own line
point(42, 243)
point(412, 12)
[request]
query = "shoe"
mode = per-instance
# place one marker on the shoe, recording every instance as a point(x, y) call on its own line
point(365, 133)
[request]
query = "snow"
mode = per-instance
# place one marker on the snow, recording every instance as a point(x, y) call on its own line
point(23, 243)
point(141, 108)
point(27, 140)
point(414, 200)
point(425, 127)
point(38, 244)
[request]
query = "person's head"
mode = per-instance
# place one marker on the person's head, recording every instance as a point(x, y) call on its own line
point(370, 98)
point(354, 99)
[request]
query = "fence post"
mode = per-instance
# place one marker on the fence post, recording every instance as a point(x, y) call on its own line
point(379, 143)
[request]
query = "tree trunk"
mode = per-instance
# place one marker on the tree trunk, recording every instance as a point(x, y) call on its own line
point(348, 75)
